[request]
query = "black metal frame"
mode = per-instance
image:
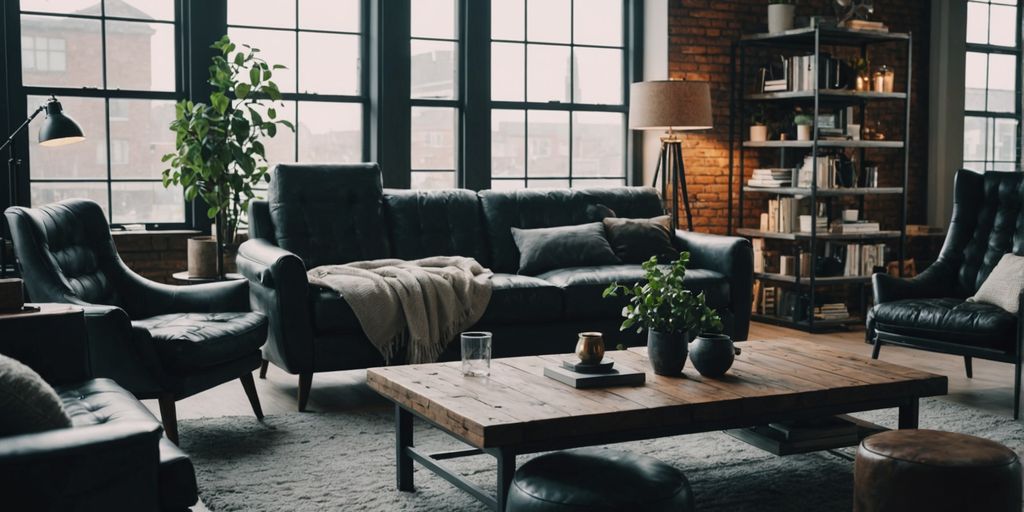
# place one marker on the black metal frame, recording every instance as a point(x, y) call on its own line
point(672, 174)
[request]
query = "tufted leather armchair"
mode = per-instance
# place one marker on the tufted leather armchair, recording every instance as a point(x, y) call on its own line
point(157, 341)
point(930, 311)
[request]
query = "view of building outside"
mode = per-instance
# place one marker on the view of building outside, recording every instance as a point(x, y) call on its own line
point(992, 96)
point(434, 67)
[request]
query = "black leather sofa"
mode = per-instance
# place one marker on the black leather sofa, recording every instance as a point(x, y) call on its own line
point(931, 311)
point(320, 214)
point(114, 457)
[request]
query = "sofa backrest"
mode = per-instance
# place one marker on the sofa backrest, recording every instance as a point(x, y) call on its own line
point(328, 214)
point(424, 223)
point(528, 209)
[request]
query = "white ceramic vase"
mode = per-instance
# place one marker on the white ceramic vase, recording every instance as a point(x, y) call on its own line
point(780, 17)
point(758, 133)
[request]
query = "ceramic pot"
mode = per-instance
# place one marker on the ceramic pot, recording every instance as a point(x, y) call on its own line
point(590, 347)
point(758, 133)
point(667, 351)
point(803, 132)
point(202, 257)
point(780, 17)
point(712, 354)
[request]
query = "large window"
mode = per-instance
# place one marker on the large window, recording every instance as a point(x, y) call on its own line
point(558, 93)
point(992, 95)
point(434, 93)
point(112, 64)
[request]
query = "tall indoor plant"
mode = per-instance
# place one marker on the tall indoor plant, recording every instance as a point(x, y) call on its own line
point(219, 155)
point(672, 315)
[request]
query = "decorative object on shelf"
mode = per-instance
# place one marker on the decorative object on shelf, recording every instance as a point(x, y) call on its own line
point(850, 215)
point(803, 124)
point(862, 68)
point(57, 130)
point(847, 10)
point(202, 257)
point(12, 294)
point(672, 314)
point(781, 14)
point(590, 348)
point(758, 133)
point(713, 354)
point(883, 79)
point(671, 105)
point(219, 153)
point(853, 131)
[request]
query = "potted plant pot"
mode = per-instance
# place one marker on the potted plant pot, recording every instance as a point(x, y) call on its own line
point(780, 17)
point(803, 132)
point(758, 133)
point(712, 354)
point(202, 257)
point(667, 351)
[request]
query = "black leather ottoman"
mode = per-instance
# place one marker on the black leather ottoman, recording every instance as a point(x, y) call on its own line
point(905, 470)
point(598, 479)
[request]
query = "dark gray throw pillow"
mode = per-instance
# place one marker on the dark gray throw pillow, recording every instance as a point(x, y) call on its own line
point(544, 249)
point(27, 403)
point(636, 240)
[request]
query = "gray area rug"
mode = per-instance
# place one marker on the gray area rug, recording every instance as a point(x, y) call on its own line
point(345, 461)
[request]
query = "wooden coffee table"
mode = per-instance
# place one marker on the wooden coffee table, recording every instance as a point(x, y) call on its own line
point(518, 411)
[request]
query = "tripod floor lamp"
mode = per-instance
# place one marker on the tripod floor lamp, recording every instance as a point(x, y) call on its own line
point(673, 106)
point(57, 130)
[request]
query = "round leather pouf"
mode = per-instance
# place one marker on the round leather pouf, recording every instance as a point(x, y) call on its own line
point(600, 480)
point(905, 470)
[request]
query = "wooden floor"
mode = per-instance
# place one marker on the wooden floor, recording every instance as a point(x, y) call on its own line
point(991, 389)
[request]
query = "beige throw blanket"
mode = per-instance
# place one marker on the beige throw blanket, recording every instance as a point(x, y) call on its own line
point(422, 303)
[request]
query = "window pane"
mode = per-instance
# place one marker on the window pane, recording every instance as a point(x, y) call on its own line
point(433, 69)
point(432, 180)
point(548, 144)
point(141, 9)
point(262, 13)
point(433, 138)
point(976, 71)
point(281, 148)
point(591, 183)
point(548, 20)
point(545, 184)
point(597, 144)
point(140, 56)
point(62, 6)
point(86, 58)
point(977, 23)
point(507, 184)
point(975, 137)
point(508, 143)
point(328, 63)
point(433, 18)
point(1004, 140)
point(508, 65)
point(598, 76)
point(276, 47)
point(337, 15)
point(83, 160)
point(1003, 31)
point(1002, 82)
point(140, 128)
point(598, 22)
point(330, 132)
point(507, 19)
point(146, 202)
point(547, 73)
point(48, 192)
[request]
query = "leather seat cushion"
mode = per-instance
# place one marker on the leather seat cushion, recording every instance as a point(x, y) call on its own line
point(584, 286)
point(598, 479)
point(950, 320)
point(516, 298)
point(331, 314)
point(193, 341)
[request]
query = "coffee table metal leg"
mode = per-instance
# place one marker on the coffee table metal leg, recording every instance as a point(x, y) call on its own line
point(506, 470)
point(403, 440)
point(909, 414)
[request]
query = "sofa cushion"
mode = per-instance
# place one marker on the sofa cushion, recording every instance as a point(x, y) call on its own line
point(517, 298)
point(584, 286)
point(328, 214)
point(949, 320)
point(423, 223)
point(636, 240)
point(331, 313)
point(544, 249)
point(1003, 286)
point(27, 403)
point(192, 341)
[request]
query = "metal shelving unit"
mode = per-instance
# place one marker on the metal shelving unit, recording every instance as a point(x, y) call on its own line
point(805, 40)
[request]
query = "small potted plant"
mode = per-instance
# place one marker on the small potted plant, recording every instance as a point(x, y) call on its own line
point(758, 125)
point(862, 68)
point(672, 315)
point(780, 15)
point(803, 123)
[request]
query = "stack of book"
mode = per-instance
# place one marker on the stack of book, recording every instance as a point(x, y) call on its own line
point(856, 227)
point(876, 26)
point(834, 311)
point(862, 259)
point(783, 216)
point(821, 225)
point(801, 73)
point(758, 244)
point(825, 175)
point(777, 85)
point(771, 178)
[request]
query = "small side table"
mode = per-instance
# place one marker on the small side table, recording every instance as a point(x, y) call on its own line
point(55, 329)
point(187, 279)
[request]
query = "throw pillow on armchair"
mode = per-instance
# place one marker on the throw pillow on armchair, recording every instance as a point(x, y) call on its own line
point(27, 403)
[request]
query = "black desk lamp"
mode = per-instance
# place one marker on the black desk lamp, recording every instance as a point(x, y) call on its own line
point(57, 130)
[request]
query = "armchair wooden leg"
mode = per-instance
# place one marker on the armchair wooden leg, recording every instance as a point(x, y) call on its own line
point(305, 382)
point(968, 367)
point(877, 348)
point(263, 368)
point(169, 416)
point(249, 386)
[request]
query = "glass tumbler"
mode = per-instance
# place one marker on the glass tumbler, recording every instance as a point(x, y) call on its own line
point(476, 354)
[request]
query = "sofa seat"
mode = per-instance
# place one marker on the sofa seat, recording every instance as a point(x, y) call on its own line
point(331, 314)
point(948, 320)
point(583, 288)
point(100, 401)
point(195, 341)
point(516, 298)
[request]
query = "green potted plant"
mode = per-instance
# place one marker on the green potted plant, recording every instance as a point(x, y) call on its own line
point(219, 153)
point(672, 315)
point(780, 15)
point(803, 123)
point(758, 124)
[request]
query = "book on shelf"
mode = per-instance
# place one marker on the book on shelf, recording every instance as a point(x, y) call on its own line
point(783, 215)
point(832, 311)
point(874, 26)
point(856, 227)
point(758, 244)
point(771, 178)
point(863, 259)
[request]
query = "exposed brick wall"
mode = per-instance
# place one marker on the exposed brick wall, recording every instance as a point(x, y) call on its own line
point(154, 254)
point(700, 35)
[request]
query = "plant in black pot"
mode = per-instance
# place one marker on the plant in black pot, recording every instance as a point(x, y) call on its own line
point(672, 315)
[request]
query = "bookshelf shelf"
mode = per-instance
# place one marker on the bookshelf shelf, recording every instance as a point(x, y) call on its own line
point(827, 192)
point(878, 235)
point(806, 281)
point(808, 144)
point(837, 95)
point(828, 36)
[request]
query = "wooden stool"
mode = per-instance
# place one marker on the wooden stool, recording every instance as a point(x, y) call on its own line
point(908, 470)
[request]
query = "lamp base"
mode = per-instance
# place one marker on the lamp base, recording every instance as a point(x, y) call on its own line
point(672, 173)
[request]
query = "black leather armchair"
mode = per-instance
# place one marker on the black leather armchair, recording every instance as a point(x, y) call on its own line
point(157, 341)
point(930, 311)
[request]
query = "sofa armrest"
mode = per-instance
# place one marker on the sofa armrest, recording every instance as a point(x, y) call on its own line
point(731, 256)
point(933, 282)
point(149, 298)
point(55, 346)
point(92, 467)
point(122, 352)
point(279, 288)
